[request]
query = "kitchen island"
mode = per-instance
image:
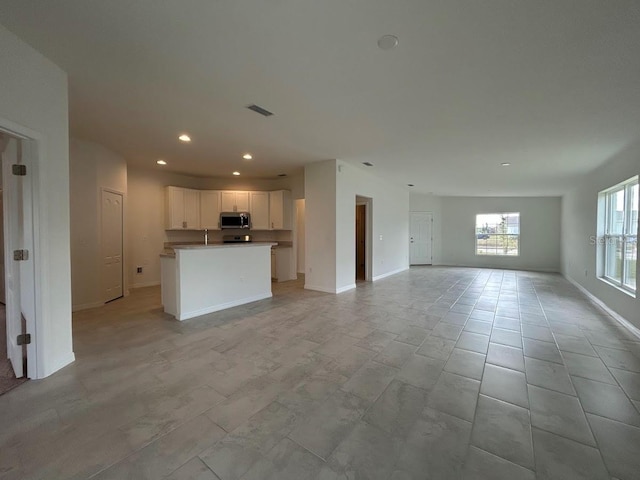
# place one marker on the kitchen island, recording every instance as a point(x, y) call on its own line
point(200, 279)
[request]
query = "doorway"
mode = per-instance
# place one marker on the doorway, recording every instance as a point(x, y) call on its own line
point(361, 245)
point(363, 242)
point(112, 244)
point(300, 236)
point(420, 238)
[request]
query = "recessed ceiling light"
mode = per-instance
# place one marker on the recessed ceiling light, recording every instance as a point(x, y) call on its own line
point(161, 162)
point(236, 173)
point(247, 156)
point(505, 164)
point(368, 164)
point(184, 138)
point(387, 42)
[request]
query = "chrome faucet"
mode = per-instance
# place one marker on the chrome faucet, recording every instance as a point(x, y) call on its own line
point(206, 236)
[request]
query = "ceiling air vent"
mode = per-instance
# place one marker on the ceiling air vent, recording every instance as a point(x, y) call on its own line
point(260, 110)
point(368, 164)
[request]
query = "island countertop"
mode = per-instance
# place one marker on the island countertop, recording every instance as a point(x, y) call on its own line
point(222, 245)
point(169, 251)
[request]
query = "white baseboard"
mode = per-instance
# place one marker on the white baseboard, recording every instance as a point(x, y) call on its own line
point(388, 274)
point(619, 318)
point(346, 288)
point(86, 306)
point(222, 306)
point(335, 291)
point(500, 267)
point(319, 289)
point(145, 284)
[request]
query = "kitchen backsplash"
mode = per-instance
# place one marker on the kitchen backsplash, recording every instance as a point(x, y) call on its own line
point(190, 236)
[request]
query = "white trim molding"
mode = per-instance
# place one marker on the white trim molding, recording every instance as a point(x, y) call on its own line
point(619, 318)
point(388, 274)
point(222, 306)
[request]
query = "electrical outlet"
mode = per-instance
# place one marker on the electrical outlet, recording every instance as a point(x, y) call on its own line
point(138, 269)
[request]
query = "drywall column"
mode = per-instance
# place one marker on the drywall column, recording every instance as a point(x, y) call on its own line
point(331, 188)
point(320, 237)
point(33, 103)
point(389, 224)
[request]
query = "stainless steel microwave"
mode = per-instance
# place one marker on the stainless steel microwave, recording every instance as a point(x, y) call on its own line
point(235, 220)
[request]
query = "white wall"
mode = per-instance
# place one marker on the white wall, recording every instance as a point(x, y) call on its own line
point(33, 101)
point(390, 224)
point(579, 225)
point(331, 188)
point(92, 167)
point(539, 232)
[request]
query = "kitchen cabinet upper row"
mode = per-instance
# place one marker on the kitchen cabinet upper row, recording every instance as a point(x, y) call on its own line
point(182, 209)
point(188, 209)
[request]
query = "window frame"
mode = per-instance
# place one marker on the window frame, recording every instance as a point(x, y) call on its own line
point(609, 239)
point(492, 255)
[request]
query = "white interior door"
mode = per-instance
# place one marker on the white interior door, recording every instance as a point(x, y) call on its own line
point(112, 245)
point(420, 238)
point(19, 273)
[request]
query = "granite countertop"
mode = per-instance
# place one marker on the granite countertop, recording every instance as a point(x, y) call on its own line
point(283, 245)
point(169, 249)
point(223, 245)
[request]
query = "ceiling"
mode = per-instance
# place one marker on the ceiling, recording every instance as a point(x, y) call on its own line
point(550, 86)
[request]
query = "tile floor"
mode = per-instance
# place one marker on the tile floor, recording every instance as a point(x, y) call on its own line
point(435, 373)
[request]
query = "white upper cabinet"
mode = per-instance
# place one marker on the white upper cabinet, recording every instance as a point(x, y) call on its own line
point(234, 201)
point(210, 209)
point(182, 209)
point(188, 209)
point(280, 210)
point(259, 210)
point(242, 201)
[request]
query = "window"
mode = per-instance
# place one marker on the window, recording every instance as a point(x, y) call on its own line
point(619, 244)
point(498, 234)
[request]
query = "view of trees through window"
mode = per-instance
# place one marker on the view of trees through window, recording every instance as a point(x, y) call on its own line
point(498, 234)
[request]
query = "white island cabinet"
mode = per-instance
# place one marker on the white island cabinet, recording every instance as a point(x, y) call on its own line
point(201, 279)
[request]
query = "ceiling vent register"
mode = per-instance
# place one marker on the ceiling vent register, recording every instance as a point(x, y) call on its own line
point(260, 110)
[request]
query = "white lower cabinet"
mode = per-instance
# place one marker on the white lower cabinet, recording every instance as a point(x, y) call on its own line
point(281, 264)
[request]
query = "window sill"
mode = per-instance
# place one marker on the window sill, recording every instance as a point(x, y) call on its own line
point(618, 287)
